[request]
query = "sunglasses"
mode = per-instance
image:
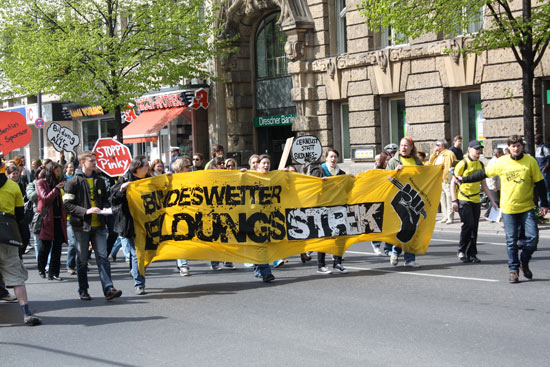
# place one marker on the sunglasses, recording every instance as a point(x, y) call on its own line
point(196, 159)
point(230, 165)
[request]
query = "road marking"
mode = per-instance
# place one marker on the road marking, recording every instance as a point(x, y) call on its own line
point(479, 243)
point(424, 274)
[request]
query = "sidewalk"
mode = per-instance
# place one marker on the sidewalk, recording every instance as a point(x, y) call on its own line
point(485, 227)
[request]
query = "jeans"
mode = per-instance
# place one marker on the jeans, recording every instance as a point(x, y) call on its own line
point(262, 269)
point(139, 280)
point(98, 237)
point(469, 215)
point(512, 223)
point(71, 249)
point(408, 257)
point(121, 242)
point(44, 248)
point(217, 263)
point(182, 263)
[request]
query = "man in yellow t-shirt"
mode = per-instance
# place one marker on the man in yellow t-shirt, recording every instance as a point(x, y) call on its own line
point(466, 201)
point(518, 174)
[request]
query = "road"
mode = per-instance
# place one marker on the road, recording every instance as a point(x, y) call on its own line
point(442, 314)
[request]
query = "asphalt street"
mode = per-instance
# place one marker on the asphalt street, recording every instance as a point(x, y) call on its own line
point(443, 314)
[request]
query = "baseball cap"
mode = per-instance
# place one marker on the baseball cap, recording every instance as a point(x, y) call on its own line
point(392, 148)
point(173, 149)
point(475, 144)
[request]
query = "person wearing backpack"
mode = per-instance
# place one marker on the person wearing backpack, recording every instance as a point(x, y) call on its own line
point(466, 201)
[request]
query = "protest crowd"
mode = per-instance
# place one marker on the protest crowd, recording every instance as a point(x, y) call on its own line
point(71, 203)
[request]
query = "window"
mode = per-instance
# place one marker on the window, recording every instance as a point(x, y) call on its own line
point(344, 119)
point(398, 120)
point(471, 117)
point(475, 23)
point(389, 38)
point(341, 35)
point(270, 49)
point(95, 129)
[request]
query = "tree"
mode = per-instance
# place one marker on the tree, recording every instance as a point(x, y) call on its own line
point(105, 52)
point(518, 25)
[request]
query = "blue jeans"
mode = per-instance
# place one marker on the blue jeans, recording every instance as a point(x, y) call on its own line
point(98, 237)
point(182, 263)
point(262, 269)
point(408, 257)
point(71, 249)
point(121, 242)
point(139, 280)
point(511, 227)
point(217, 263)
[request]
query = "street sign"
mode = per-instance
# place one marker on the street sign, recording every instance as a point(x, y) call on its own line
point(113, 157)
point(39, 122)
point(306, 149)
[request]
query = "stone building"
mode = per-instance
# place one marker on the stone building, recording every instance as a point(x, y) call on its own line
point(311, 67)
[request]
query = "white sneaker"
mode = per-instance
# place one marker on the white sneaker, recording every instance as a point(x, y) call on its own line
point(340, 269)
point(324, 270)
point(393, 259)
point(377, 251)
point(184, 271)
point(412, 264)
point(449, 221)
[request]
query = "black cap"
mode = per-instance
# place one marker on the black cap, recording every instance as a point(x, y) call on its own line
point(475, 144)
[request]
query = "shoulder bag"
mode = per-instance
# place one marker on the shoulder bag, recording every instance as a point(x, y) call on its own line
point(9, 230)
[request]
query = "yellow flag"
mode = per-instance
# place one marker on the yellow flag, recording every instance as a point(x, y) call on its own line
point(261, 217)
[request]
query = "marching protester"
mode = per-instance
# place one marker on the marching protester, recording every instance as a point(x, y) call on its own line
point(456, 148)
point(183, 164)
point(217, 152)
point(175, 152)
point(466, 201)
point(330, 168)
point(253, 162)
point(381, 161)
point(198, 160)
point(493, 183)
point(85, 197)
point(405, 157)
point(124, 223)
point(12, 270)
point(157, 167)
point(13, 172)
point(518, 173)
point(53, 232)
point(542, 155)
point(445, 158)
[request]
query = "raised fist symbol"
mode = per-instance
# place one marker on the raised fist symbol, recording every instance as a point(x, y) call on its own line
point(408, 205)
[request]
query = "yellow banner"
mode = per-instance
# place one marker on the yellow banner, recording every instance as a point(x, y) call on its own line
point(257, 217)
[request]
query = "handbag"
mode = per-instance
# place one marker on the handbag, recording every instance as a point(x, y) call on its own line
point(9, 230)
point(29, 212)
point(38, 218)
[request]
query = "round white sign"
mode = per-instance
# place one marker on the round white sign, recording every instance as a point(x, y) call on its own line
point(306, 149)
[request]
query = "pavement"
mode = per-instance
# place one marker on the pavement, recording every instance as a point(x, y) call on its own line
point(486, 227)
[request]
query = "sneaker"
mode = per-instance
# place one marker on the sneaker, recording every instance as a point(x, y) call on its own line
point(257, 274)
point(393, 259)
point(31, 320)
point(113, 258)
point(514, 277)
point(184, 271)
point(305, 258)
point(55, 277)
point(475, 260)
point(42, 275)
point(71, 271)
point(85, 296)
point(248, 265)
point(229, 266)
point(8, 298)
point(377, 251)
point(215, 267)
point(412, 264)
point(341, 269)
point(443, 221)
point(449, 221)
point(278, 263)
point(324, 270)
point(113, 293)
point(268, 278)
point(526, 271)
point(462, 257)
point(139, 290)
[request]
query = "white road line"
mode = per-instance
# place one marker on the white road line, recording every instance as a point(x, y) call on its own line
point(479, 243)
point(424, 274)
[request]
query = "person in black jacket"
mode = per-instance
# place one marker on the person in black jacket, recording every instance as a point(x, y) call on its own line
point(124, 223)
point(85, 197)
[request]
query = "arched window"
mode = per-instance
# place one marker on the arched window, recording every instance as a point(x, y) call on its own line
point(270, 49)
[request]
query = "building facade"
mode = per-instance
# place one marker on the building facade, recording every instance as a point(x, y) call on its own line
point(311, 67)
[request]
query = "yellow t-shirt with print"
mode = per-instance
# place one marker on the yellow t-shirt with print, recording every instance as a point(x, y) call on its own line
point(407, 161)
point(95, 218)
point(468, 191)
point(10, 197)
point(517, 180)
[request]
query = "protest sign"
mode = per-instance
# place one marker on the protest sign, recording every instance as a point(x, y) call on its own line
point(14, 132)
point(113, 158)
point(258, 217)
point(62, 138)
point(306, 149)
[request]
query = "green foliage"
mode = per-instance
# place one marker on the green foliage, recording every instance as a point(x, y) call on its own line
point(105, 52)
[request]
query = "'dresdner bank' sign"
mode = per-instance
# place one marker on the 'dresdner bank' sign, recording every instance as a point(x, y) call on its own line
point(275, 120)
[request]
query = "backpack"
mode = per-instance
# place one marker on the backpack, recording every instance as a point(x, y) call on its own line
point(28, 212)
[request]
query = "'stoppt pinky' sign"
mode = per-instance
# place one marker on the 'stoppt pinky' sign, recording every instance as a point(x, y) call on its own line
point(306, 149)
point(113, 158)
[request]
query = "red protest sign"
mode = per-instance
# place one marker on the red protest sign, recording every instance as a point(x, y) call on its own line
point(113, 157)
point(14, 132)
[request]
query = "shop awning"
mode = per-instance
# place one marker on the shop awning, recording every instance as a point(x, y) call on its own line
point(146, 127)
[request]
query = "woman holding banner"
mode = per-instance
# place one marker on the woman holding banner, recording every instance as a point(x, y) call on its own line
point(53, 232)
point(406, 156)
